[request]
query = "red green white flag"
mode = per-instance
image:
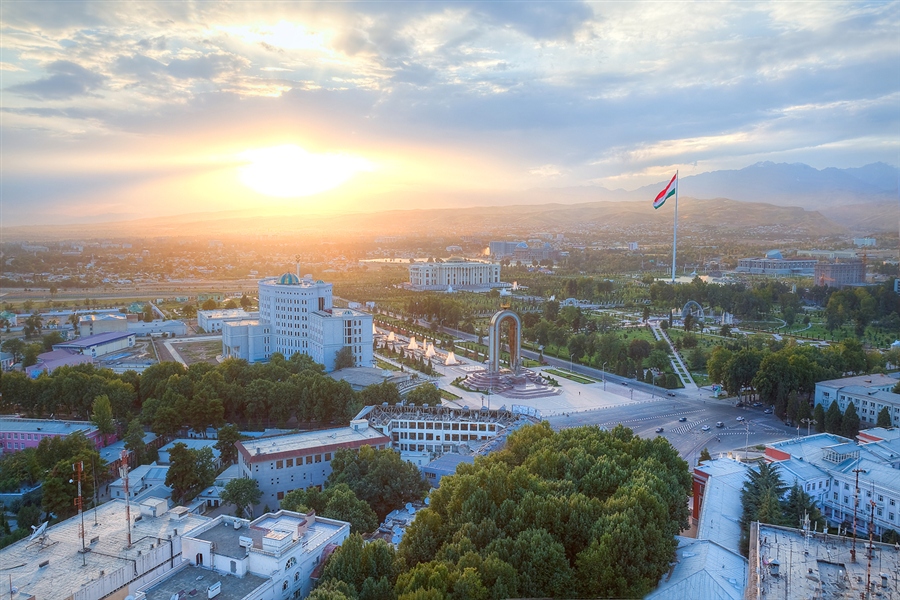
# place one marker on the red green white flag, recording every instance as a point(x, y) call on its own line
point(669, 191)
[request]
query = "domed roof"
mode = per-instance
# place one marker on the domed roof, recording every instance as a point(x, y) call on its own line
point(521, 245)
point(288, 279)
point(774, 254)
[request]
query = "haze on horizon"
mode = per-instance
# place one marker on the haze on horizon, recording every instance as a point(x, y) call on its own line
point(124, 110)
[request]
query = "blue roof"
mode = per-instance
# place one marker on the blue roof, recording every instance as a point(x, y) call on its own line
point(93, 340)
point(288, 279)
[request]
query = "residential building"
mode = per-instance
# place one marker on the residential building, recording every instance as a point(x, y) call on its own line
point(502, 249)
point(331, 330)
point(456, 273)
point(444, 465)
point(98, 345)
point(869, 394)
point(7, 360)
point(866, 241)
point(272, 557)
point(121, 555)
point(17, 433)
point(827, 467)
point(158, 326)
point(101, 323)
point(212, 321)
point(282, 464)
point(297, 315)
point(112, 454)
point(840, 274)
point(47, 362)
point(143, 481)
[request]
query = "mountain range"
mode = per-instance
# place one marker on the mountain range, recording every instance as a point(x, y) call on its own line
point(772, 199)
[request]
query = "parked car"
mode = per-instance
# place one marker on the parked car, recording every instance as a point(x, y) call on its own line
point(720, 424)
point(768, 411)
point(740, 418)
point(757, 404)
point(682, 419)
point(705, 428)
point(670, 394)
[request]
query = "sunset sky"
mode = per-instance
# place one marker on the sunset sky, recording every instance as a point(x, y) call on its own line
point(114, 110)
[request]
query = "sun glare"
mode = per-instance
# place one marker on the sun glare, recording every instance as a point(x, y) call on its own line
point(290, 171)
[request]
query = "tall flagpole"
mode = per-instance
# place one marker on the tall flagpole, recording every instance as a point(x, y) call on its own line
point(675, 240)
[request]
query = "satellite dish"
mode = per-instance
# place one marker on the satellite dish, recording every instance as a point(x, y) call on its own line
point(38, 531)
point(409, 507)
point(427, 503)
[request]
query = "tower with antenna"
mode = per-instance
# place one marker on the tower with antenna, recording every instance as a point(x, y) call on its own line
point(123, 471)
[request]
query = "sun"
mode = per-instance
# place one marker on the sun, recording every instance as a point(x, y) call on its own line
point(289, 171)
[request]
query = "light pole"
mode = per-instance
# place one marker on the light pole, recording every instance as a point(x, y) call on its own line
point(570, 363)
point(603, 370)
point(747, 442)
point(808, 422)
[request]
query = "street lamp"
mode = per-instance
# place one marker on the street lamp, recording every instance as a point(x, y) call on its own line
point(603, 370)
point(747, 443)
point(808, 423)
point(570, 363)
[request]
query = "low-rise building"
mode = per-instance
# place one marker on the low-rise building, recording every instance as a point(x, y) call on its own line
point(193, 444)
point(272, 557)
point(840, 274)
point(18, 433)
point(868, 393)
point(101, 323)
point(98, 345)
point(212, 321)
point(776, 265)
point(47, 362)
point(443, 466)
point(284, 463)
point(456, 273)
point(120, 555)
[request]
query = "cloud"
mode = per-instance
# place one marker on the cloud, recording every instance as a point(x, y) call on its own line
point(208, 66)
point(66, 80)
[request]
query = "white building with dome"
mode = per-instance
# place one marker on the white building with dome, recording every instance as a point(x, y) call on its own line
point(297, 315)
point(456, 273)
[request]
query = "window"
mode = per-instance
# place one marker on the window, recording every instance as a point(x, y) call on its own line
point(281, 495)
point(309, 460)
point(279, 464)
point(328, 456)
point(289, 462)
point(291, 562)
point(318, 458)
point(284, 586)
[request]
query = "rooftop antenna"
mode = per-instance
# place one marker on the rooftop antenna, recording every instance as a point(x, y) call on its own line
point(79, 502)
point(124, 472)
point(297, 260)
point(871, 550)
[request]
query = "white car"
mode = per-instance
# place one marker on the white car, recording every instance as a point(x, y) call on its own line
point(740, 418)
point(705, 428)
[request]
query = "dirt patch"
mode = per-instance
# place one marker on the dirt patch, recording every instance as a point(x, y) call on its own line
point(195, 352)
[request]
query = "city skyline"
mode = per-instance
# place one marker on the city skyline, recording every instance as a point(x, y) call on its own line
point(114, 111)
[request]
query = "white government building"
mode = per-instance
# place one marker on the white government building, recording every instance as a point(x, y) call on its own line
point(456, 273)
point(297, 315)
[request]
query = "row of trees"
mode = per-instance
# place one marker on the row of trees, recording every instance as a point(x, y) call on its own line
point(582, 512)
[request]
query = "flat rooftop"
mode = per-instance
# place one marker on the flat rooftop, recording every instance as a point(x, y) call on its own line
point(16, 425)
point(819, 566)
point(93, 340)
point(226, 539)
point(866, 381)
point(194, 581)
point(63, 573)
point(264, 448)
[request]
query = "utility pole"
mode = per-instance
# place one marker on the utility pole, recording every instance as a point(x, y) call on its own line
point(79, 502)
point(855, 506)
point(871, 549)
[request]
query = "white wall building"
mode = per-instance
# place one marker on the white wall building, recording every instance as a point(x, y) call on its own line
point(281, 548)
point(332, 330)
point(101, 323)
point(212, 321)
point(98, 345)
point(297, 315)
point(457, 273)
point(869, 394)
point(282, 464)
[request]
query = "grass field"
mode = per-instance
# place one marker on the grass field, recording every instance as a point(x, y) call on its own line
point(571, 376)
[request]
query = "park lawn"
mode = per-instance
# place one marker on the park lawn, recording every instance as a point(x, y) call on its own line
point(571, 376)
point(448, 395)
point(383, 364)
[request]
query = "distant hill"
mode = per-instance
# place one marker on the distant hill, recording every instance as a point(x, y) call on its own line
point(719, 216)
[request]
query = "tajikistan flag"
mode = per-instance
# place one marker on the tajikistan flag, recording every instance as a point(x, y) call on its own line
point(668, 192)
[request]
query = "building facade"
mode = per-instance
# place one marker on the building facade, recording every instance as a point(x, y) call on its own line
point(101, 323)
point(212, 321)
point(282, 464)
point(868, 393)
point(18, 434)
point(98, 345)
point(332, 330)
point(456, 273)
point(840, 274)
point(776, 266)
point(297, 315)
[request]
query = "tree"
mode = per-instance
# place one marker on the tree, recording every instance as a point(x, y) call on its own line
point(379, 477)
point(243, 492)
point(658, 360)
point(819, 416)
point(833, 418)
point(245, 302)
point(850, 422)
point(134, 440)
point(884, 417)
point(101, 416)
point(379, 393)
point(425, 394)
point(725, 330)
point(16, 347)
point(189, 310)
point(343, 359)
point(704, 455)
point(231, 304)
point(190, 472)
point(336, 502)
point(51, 339)
point(228, 436)
point(30, 355)
point(209, 304)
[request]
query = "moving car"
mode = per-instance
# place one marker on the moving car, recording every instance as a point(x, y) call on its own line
point(720, 424)
point(672, 394)
point(682, 419)
point(659, 430)
point(705, 428)
point(740, 418)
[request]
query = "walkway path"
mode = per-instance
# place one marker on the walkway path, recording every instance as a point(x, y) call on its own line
point(677, 364)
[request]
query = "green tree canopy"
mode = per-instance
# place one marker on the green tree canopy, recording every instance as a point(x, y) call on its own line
point(243, 492)
point(190, 472)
